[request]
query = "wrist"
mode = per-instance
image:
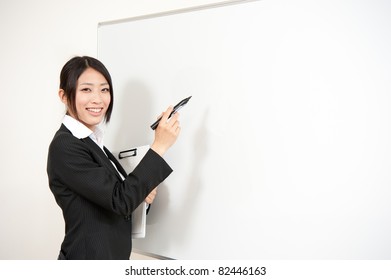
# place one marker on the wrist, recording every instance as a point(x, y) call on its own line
point(158, 149)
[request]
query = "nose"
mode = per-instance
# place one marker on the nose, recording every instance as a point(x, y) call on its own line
point(96, 97)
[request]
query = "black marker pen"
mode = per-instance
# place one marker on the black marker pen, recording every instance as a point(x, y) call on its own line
point(176, 109)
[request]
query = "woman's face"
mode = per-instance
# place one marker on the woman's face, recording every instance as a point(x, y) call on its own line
point(92, 98)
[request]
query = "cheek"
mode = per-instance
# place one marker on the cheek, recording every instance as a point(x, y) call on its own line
point(81, 98)
point(107, 99)
point(81, 101)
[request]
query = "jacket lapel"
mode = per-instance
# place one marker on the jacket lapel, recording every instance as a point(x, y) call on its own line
point(105, 159)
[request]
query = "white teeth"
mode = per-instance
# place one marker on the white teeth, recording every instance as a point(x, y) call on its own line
point(95, 110)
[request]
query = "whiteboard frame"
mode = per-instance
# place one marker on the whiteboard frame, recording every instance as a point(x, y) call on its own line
point(174, 12)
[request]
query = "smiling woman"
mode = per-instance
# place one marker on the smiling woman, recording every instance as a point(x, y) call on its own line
point(95, 193)
point(93, 98)
point(79, 78)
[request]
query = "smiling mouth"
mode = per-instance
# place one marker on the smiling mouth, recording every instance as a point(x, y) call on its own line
point(95, 110)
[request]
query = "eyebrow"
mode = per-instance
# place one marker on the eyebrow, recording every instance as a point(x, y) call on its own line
point(91, 84)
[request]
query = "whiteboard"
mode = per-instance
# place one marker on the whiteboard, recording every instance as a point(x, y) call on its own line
point(285, 149)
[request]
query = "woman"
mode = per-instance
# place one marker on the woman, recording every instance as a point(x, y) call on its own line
point(95, 194)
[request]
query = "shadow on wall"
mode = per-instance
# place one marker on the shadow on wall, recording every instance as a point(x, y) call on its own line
point(132, 110)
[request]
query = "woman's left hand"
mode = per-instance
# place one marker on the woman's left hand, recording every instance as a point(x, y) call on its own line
point(149, 199)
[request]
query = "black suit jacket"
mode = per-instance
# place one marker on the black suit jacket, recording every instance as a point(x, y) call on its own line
point(95, 202)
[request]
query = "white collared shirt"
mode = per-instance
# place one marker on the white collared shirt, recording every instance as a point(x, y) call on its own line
point(80, 131)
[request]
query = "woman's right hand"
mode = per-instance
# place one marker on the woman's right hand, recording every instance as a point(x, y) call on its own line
point(166, 132)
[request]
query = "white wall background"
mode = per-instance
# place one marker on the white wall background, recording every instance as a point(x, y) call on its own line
point(37, 38)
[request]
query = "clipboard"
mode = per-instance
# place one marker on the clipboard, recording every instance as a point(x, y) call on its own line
point(129, 159)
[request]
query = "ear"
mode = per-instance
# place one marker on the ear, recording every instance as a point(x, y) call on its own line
point(63, 97)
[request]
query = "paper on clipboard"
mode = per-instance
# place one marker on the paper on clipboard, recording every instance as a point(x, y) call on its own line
point(129, 159)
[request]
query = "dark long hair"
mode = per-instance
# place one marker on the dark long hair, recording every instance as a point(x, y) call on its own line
point(71, 72)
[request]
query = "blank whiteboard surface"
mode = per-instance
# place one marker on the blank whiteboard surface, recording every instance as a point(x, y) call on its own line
point(285, 149)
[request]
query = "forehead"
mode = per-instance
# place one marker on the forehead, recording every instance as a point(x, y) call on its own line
point(91, 76)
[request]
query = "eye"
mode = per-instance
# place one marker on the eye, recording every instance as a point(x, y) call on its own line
point(86, 89)
point(106, 90)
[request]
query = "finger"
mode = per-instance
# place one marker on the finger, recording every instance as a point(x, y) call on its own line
point(161, 115)
point(178, 130)
point(176, 125)
point(150, 199)
point(152, 194)
point(154, 191)
point(175, 116)
point(166, 114)
point(174, 120)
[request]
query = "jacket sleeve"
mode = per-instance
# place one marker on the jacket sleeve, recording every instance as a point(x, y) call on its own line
point(72, 166)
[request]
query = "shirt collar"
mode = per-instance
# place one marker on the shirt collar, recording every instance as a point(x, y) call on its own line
point(80, 131)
